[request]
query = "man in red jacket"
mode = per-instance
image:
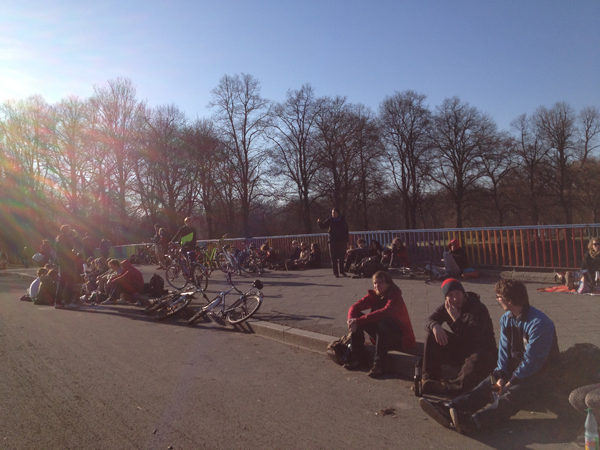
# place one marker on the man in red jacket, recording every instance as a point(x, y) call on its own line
point(387, 324)
point(126, 284)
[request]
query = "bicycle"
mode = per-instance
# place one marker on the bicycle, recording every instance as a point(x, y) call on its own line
point(242, 309)
point(249, 260)
point(207, 255)
point(184, 270)
point(171, 304)
point(226, 261)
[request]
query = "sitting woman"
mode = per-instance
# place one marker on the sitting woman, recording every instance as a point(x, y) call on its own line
point(301, 261)
point(314, 258)
point(590, 265)
point(46, 294)
point(387, 323)
point(397, 255)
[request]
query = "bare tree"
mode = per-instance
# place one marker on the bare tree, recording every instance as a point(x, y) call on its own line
point(557, 128)
point(497, 165)
point(590, 130)
point(241, 116)
point(405, 122)
point(294, 153)
point(459, 136)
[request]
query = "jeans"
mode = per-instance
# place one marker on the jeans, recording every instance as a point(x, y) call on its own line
point(506, 406)
point(387, 335)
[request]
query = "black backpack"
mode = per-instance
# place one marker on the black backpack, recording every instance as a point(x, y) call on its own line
point(340, 350)
point(157, 286)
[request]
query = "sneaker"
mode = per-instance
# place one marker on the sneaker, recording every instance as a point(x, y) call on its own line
point(72, 305)
point(438, 411)
point(376, 371)
point(59, 305)
point(463, 421)
point(336, 275)
point(434, 387)
point(108, 302)
point(355, 364)
point(344, 274)
point(122, 302)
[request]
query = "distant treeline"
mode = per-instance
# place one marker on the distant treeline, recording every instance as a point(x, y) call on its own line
point(110, 165)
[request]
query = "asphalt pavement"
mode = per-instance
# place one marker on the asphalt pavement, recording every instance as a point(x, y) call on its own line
point(309, 308)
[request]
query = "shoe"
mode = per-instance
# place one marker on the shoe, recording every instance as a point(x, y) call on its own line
point(356, 363)
point(344, 274)
point(83, 298)
point(122, 302)
point(463, 421)
point(59, 306)
point(376, 371)
point(108, 302)
point(434, 387)
point(438, 411)
point(336, 275)
point(72, 305)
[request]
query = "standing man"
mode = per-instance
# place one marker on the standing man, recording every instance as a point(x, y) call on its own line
point(338, 240)
point(67, 262)
point(104, 247)
point(470, 344)
point(88, 246)
point(159, 251)
point(528, 352)
point(186, 236)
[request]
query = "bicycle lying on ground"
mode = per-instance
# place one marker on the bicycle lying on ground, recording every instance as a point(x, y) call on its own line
point(171, 304)
point(242, 309)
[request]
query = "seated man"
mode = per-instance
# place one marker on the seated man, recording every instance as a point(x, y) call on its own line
point(528, 353)
point(397, 255)
point(455, 261)
point(46, 294)
point(388, 324)
point(124, 285)
point(470, 345)
point(301, 261)
point(357, 254)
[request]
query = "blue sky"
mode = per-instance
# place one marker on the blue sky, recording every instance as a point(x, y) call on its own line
point(503, 57)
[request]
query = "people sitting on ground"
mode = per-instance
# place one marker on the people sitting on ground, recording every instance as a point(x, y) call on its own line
point(301, 261)
point(584, 280)
point(46, 251)
point(455, 261)
point(314, 258)
point(268, 257)
point(99, 266)
point(356, 255)
point(123, 287)
point(527, 355)
point(34, 287)
point(46, 294)
point(372, 263)
point(396, 255)
point(469, 344)
point(294, 255)
point(3, 260)
point(114, 269)
point(387, 323)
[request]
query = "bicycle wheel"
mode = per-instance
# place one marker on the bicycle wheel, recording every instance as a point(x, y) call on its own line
point(160, 303)
point(175, 276)
point(200, 277)
point(244, 308)
point(177, 305)
point(224, 263)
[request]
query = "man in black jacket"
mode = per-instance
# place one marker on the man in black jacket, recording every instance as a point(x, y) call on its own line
point(470, 344)
point(338, 240)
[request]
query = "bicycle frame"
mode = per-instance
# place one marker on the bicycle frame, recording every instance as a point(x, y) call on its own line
point(220, 299)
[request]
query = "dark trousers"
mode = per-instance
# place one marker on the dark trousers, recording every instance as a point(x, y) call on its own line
point(387, 335)
point(65, 292)
point(506, 406)
point(475, 365)
point(337, 250)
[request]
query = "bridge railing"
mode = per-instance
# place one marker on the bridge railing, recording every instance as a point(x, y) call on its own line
point(531, 247)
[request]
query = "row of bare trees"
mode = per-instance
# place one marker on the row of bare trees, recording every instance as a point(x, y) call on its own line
point(112, 165)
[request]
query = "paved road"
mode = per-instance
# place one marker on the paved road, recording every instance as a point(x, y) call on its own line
point(111, 378)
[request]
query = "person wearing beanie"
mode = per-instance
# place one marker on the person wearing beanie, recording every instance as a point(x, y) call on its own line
point(455, 261)
point(526, 371)
point(469, 343)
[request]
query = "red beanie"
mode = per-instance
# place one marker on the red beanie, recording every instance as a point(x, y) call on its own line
point(452, 284)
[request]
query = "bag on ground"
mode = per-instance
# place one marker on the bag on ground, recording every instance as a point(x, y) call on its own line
point(340, 350)
point(156, 286)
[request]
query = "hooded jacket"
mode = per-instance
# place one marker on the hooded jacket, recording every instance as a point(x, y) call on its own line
point(131, 279)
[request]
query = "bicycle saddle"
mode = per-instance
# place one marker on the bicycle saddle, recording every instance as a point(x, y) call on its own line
point(258, 284)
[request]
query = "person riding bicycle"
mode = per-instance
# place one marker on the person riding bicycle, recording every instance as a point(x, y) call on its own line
point(186, 236)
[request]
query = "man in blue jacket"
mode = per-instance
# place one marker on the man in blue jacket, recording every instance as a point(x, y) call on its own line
point(528, 351)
